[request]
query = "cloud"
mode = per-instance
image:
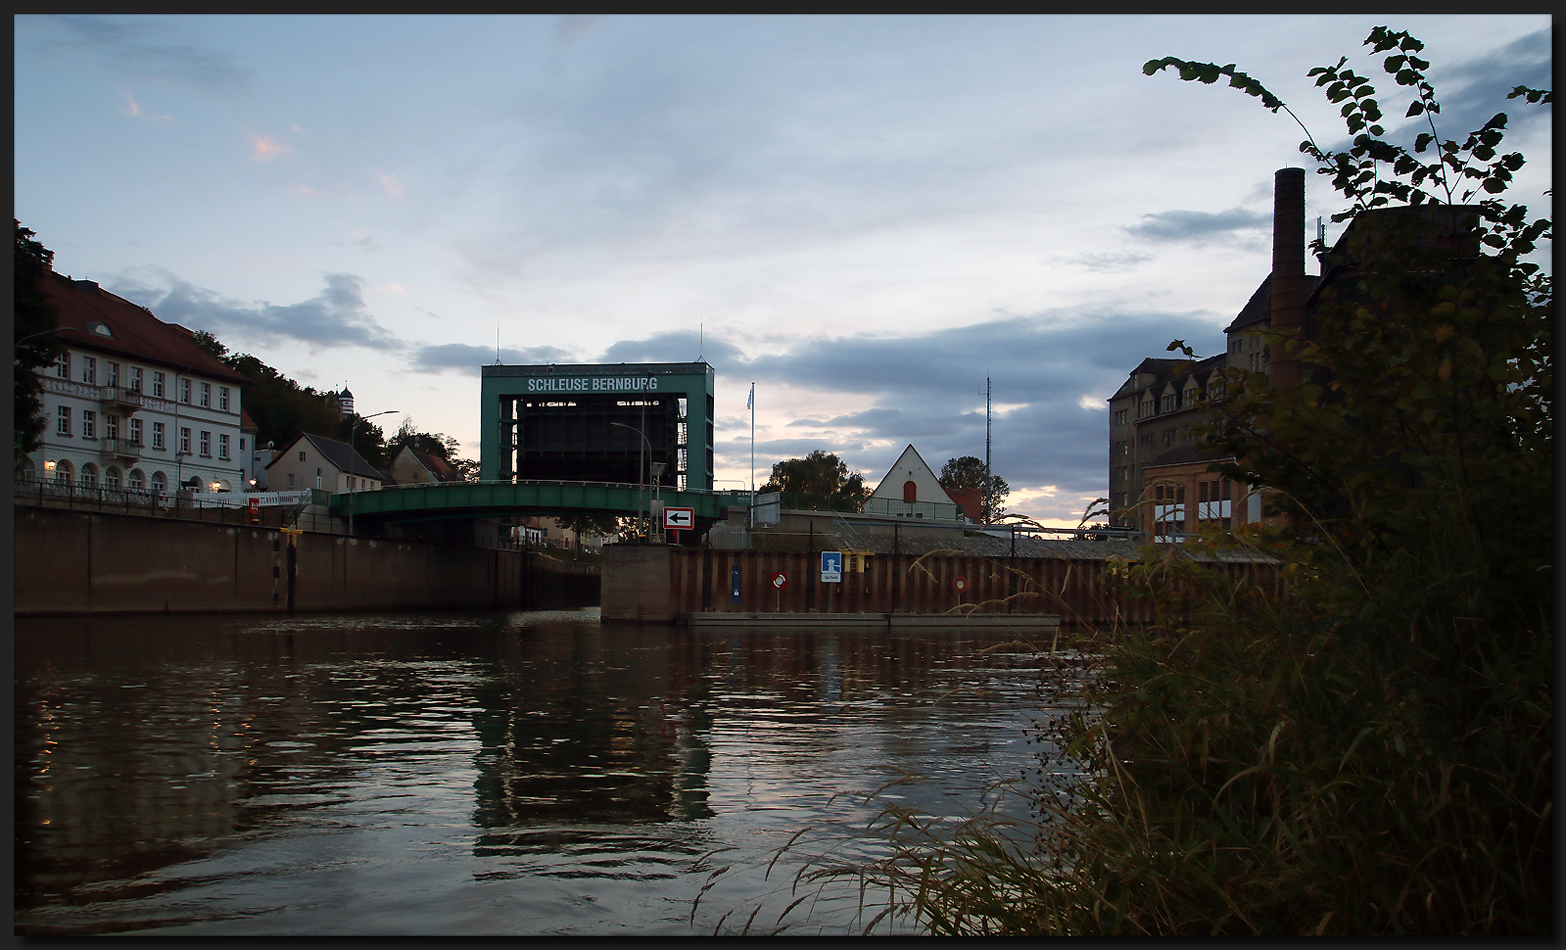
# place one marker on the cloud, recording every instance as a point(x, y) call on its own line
point(303, 191)
point(571, 27)
point(1109, 263)
point(676, 346)
point(1165, 226)
point(264, 149)
point(391, 184)
point(145, 48)
point(468, 358)
point(133, 109)
point(336, 317)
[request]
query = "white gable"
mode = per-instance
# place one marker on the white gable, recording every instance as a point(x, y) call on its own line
point(911, 467)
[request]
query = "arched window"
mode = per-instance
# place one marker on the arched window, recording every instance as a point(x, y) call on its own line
point(62, 472)
point(910, 491)
point(89, 475)
point(160, 482)
point(111, 477)
point(138, 479)
point(29, 470)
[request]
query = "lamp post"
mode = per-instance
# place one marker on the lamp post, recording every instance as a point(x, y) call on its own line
point(639, 482)
point(352, 430)
point(39, 333)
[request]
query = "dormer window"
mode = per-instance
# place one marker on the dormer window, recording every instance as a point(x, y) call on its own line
point(102, 329)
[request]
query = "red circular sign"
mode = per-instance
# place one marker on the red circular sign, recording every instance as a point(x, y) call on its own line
point(780, 580)
point(960, 583)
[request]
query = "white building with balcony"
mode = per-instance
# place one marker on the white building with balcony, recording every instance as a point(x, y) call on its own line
point(133, 403)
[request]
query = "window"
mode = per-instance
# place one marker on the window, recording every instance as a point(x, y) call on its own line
point(223, 445)
point(206, 444)
point(89, 475)
point(1168, 510)
point(160, 481)
point(138, 479)
point(62, 366)
point(206, 395)
point(90, 377)
point(157, 385)
point(1168, 437)
point(1122, 416)
point(184, 391)
point(111, 374)
point(89, 424)
point(135, 431)
point(62, 472)
point(1147, 442)
point(135, 379)
point(223, 398)
point(1214, 504)
point(301, 455)
point(1169, 402)
point(111, 478)
point(111, 427)
point(62, 425)
point(184, 440)
point(1123, 449)
point(290, 479)
point(157, 435)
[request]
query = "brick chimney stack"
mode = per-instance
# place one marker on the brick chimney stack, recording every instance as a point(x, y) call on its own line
point(1286, 308)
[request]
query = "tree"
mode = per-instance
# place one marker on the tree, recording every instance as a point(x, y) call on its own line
point(819, 473)
point(968, 472)
point(1367, 746)
point(1369, 750)
point(33, 317)
point(591, 526)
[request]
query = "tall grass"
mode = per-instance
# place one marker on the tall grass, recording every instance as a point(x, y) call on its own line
point(1367, 752)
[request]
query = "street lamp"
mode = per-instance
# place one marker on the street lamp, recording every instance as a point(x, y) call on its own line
point(639, 482)
point(39, 333)
point(354, 452)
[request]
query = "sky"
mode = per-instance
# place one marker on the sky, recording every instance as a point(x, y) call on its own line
point(866, 217)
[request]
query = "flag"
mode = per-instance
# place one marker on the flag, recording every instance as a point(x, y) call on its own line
point(751, 399)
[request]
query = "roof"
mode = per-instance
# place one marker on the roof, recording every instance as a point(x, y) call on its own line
point(132, 331)
point(340, 454)
point(1186, 453)
point(437, 466)
point(246, 424)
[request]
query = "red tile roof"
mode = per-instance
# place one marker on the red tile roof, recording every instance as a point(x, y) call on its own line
point(133, 331)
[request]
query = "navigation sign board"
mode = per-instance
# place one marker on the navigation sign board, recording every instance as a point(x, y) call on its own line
point(780, 580)
point(832, 567)
point(679, 519)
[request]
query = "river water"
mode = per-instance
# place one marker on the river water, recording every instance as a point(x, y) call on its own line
point(483, 773)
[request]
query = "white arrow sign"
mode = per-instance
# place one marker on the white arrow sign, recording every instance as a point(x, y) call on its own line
point(679, 519)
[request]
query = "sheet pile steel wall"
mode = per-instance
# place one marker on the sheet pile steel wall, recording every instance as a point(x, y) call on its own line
point(1076, 590)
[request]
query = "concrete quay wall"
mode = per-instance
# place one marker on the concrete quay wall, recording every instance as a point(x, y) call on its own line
point(77, 562)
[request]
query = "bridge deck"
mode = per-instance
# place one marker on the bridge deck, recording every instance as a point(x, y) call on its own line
point(484, 499)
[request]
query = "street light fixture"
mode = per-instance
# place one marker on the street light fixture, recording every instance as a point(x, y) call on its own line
point(352, 430)
point(639, 482)
point(39, 333)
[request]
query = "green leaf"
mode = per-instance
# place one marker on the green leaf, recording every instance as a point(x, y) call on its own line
point(1417, 108)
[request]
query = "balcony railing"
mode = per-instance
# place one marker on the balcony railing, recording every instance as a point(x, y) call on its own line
point(118, 396)
point(121, 448)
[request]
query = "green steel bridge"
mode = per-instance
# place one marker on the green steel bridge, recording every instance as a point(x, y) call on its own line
point(453, 500)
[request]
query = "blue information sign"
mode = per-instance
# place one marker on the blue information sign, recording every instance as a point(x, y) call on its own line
point(736, 583)
point(832, 567)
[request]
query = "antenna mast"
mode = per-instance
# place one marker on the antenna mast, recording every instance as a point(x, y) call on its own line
point(987, 517)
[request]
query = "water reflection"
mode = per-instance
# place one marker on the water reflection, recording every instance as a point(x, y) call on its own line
point(468, 773)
